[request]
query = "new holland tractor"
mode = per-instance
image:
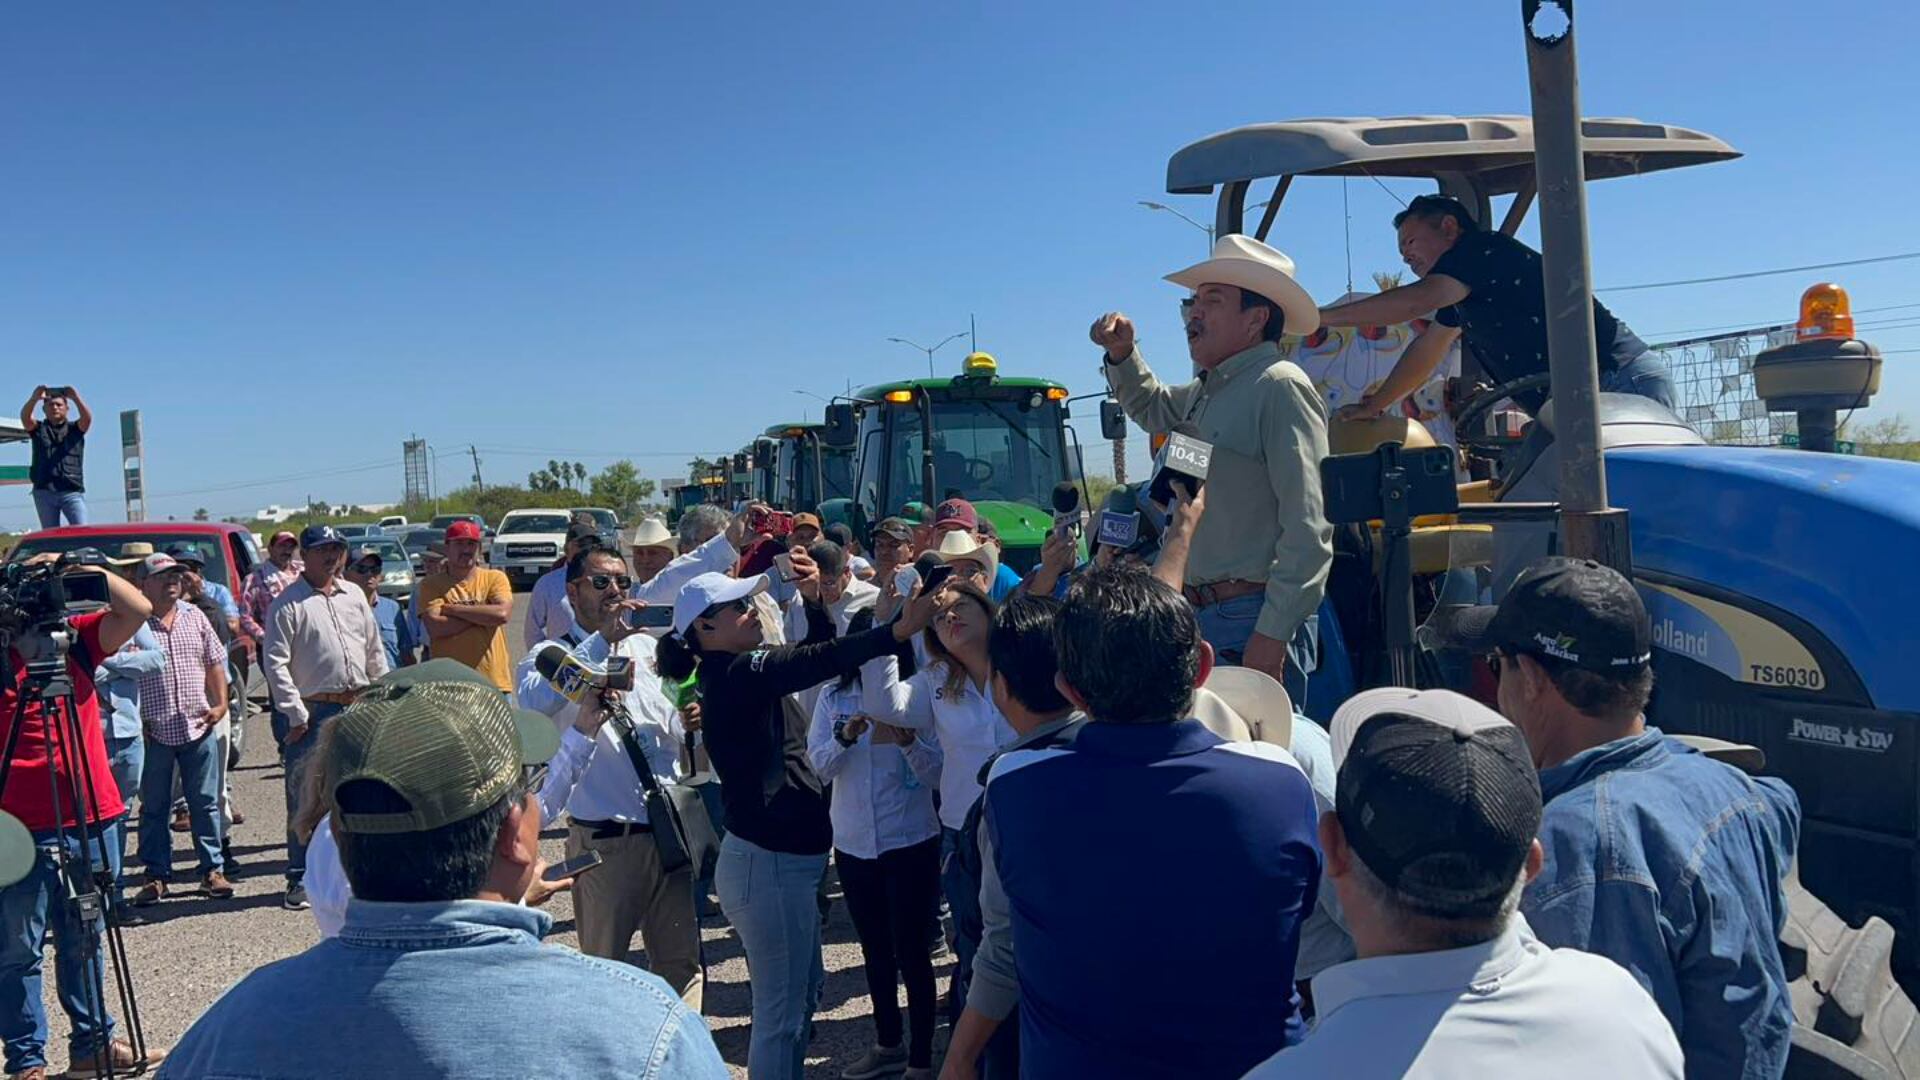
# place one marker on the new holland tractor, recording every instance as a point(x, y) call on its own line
point(1780, 581)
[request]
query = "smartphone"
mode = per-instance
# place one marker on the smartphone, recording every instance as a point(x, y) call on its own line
point(937, 577)
point(579, 864)
point(651, 617)
point(904, 579)
point(783, 562)
point(59, 391)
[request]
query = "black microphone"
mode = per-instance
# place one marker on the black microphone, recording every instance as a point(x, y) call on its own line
point(1184, 458)
point(1067, 515)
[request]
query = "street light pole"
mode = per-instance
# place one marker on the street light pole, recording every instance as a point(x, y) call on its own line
point(816, 397)
point(1164, 208)
point(929, 351)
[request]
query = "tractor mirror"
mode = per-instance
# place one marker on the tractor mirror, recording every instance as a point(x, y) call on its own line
point(1113, 420)
point(840, 426)
point(763, 455)
point(739, 463)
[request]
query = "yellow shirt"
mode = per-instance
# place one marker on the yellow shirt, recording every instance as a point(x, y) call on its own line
point(482, 648)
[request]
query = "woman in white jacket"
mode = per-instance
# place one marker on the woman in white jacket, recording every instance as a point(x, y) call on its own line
point(886, 843)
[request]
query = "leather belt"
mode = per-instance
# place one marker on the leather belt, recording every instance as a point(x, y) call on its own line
point(1221, 591)
point(608, 830)
point(333, 697)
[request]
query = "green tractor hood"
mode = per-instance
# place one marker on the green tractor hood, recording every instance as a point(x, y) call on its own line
point(1022, 530)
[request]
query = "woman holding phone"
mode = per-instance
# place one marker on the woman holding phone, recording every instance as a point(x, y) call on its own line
point(778, 826)
point(886, 840)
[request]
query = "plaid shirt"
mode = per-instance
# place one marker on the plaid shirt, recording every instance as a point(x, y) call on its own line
point(263, 586)
point(173, 700)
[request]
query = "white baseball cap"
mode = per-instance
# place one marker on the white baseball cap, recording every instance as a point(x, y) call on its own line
point(1444, 708)
point(705, 591)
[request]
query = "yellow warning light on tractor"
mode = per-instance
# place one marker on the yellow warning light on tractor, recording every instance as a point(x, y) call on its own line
point(979, 363)
point(1825, 312)
point(900, 397)
point(1056, 393)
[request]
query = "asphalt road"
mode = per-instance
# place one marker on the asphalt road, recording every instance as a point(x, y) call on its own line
point(194, 948)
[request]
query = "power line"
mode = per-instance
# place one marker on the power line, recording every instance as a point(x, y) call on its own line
point(1754, 322)
point(1759, 273)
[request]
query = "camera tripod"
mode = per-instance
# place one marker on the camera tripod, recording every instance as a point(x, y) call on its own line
point(85, 888)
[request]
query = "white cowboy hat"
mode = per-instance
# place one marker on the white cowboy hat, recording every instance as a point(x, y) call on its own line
point(1259, 699)
point(651, 532)
point(1246, 263)
point(960, 544)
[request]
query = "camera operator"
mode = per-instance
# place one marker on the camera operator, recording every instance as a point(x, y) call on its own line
point(606, 803)
point(59, 453)
point(778, 830)
point(38, 901)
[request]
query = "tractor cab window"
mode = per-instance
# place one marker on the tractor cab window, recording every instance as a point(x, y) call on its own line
point(996, 450)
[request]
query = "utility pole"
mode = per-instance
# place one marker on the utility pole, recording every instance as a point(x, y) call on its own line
point(477, 485)
point(973, 334)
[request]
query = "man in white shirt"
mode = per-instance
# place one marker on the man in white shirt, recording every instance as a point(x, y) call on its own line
point(322, 648)
point(606, 803)
point(1430, 843)
point(549, 613)
point(715, 554)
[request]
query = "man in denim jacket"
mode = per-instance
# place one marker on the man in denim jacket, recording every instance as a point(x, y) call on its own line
point(1657, 856)
point(439, 834)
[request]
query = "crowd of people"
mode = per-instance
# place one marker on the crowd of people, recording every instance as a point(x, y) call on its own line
point(1151, 867)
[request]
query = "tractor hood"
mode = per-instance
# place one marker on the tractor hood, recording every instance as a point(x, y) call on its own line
point(1023, 528)
point(1742, 551)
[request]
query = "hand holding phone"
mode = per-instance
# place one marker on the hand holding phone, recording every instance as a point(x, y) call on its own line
point(573, 867)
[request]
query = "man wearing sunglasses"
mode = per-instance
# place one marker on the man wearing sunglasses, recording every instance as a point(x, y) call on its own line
point(595, 778)
point(396, 630)
point(1658, 857)
point(1259, 560)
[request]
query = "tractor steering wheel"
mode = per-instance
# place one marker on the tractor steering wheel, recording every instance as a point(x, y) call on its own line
point(980, 471)
point(1467, 429)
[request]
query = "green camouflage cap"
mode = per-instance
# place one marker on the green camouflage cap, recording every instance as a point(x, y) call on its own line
point(442, 737)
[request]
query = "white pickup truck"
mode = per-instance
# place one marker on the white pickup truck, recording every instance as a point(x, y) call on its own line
point(528, 542)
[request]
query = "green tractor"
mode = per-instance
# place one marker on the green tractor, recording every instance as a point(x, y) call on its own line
point(1001, 443)
point(806, 471)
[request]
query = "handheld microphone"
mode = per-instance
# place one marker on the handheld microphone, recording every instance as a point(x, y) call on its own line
point(576, 680)
point(1184, 458)
point(1068, 518)
point(1119, 530)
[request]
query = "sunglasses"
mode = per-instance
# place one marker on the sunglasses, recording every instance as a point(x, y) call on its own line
point(367, 567)
point(601, 581)
point(739, 606)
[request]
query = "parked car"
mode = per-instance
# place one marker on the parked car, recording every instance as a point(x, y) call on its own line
point(359, 532)
point(529, 542)
point(392, 521)
point(397, 579)
point(607, 521)
point(415, 540)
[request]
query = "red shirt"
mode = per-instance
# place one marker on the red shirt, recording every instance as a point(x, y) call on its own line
point(28, 795)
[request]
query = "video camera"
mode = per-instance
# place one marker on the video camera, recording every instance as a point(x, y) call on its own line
point(37, 597)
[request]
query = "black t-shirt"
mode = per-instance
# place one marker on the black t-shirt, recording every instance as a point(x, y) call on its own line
point(1503, 319)
point(58, 457)
point(756, 736)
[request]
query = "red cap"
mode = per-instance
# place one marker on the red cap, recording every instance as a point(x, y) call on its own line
point(463, 530)
point(283, 534)
point(956, 512)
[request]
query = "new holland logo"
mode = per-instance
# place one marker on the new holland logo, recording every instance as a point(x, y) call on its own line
point(1866, 740)
point(1668, 635)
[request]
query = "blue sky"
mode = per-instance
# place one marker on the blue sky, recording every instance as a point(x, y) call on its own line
point(293, 235)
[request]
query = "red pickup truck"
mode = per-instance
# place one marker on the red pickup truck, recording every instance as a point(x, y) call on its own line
point(228, 549)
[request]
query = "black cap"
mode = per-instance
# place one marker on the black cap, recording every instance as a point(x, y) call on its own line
point(187, 553)
point(582, 530)
point(1576, 611)
point(1437, 795)
point(314, 536)
point(897, 527)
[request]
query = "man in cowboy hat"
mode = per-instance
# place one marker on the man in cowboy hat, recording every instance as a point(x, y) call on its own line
point(1260, 557)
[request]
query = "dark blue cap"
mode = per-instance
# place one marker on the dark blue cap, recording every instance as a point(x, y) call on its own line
point(187, 553)
point(314, 536)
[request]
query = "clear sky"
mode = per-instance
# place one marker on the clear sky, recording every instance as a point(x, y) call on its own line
point(294, 235)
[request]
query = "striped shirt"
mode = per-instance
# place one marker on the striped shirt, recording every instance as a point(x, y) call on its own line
point(173, 700)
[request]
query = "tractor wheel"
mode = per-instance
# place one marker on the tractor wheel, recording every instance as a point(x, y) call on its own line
point(1851, 1018)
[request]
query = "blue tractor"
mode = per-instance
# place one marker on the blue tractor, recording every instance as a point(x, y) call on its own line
point(1776, 576)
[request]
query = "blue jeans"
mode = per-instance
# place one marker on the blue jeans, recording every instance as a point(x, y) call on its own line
point(27, 907)
point(1645, 375)
point(199, 765)
point(768, 896)
point(963, 899)
point(1228, 626)
point(292, 755)
point(53, 505)
point(125, 756)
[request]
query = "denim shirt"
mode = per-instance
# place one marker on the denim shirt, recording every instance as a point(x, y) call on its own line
point(1670, 864)
point(118, 678)
point(459, 989)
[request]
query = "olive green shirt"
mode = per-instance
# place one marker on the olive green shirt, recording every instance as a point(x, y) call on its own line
point(1265, 520)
